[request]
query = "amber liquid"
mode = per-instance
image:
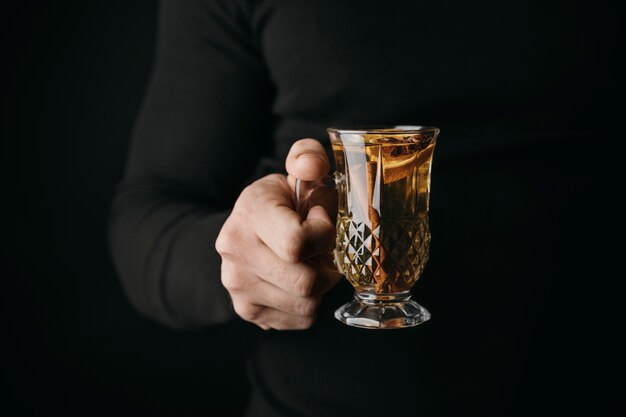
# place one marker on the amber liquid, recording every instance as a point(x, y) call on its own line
point(383, 237)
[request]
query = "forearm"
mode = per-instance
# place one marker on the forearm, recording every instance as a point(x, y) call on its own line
point(201, 135)
point(163, 248)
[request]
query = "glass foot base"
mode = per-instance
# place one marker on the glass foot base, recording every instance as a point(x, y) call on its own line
point(382, 311)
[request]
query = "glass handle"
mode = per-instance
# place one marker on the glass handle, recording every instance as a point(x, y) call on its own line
point(307, 192)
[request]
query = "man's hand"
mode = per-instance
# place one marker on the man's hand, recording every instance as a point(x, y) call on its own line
point(276, 265)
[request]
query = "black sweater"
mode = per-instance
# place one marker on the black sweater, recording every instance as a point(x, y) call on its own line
point(236, 82)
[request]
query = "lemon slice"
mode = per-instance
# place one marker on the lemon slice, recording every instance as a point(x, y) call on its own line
point(394, 170)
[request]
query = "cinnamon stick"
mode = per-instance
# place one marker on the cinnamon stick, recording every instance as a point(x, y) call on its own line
point(375, 180)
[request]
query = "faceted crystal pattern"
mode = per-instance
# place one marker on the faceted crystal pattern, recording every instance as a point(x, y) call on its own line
point(404, 243)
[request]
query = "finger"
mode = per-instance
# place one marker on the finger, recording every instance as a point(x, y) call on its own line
point(313, 193)
point(270, 318)
point(268, 295)
point(267, 205)
point(279, 320)
point(328, 274)
point(327, 279)
point(307, 160)
point(293, 241)
point(322, 206)
point(304, 279)
point(280, 228)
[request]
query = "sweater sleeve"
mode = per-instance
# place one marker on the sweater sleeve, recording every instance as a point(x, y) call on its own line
point(203, 128)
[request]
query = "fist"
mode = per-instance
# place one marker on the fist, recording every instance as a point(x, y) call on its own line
point(277, 264)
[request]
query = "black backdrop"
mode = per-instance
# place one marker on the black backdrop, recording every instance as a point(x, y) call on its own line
point(73, 75)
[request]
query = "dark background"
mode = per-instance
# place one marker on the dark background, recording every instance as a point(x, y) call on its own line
point(73, 75)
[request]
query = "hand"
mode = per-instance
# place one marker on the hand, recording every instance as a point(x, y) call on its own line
point(275, 265)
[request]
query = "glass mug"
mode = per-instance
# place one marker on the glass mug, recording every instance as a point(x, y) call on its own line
point(382, 179)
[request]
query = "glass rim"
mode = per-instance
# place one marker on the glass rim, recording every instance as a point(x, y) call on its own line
point(383, 129)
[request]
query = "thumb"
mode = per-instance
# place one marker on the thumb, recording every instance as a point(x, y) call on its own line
point(307, 160)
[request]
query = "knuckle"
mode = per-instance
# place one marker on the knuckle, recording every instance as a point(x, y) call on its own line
point(232, 280)
point(247, 311)
point(304, 284)
point(280, 325)
point(252, 196)
point(275, 178)
point(245, 199)
point(308, 307)
point(224, 244)
point(250, 189)
point(305, 323)
point(293, 247)
point(259, 189)
point(231, 236)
